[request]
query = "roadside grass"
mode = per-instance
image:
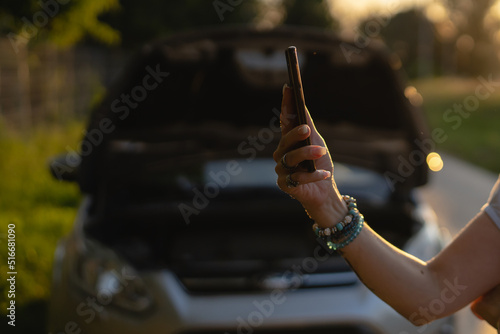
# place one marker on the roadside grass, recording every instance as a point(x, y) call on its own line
point(475, 138)
point(42, 209)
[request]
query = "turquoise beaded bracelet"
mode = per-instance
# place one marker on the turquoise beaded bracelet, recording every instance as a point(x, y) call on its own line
point(351, 205)
point(344, 232)
point(348, 239)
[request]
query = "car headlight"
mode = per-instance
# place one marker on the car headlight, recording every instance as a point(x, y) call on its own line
point(101, 273)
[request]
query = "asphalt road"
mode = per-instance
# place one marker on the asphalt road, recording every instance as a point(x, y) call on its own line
point(457, 193)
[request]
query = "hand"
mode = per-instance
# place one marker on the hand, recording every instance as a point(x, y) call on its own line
point(316, 191)
point(487, 307)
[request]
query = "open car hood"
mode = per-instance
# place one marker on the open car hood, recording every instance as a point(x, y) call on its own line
point(216, 94)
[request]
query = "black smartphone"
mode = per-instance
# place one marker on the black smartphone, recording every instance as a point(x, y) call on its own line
point(292, 62)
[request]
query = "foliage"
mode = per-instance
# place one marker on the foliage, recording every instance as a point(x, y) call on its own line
point(42, 208)
point(458, 41)
point(82, 19)
point(309, 13)
point(141, 21)
point(469, 16)
point(408, 33)
point(469, 19)
point(61, 22)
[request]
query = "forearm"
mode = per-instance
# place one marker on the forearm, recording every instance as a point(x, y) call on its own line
point(450, 281)
point(401, 280)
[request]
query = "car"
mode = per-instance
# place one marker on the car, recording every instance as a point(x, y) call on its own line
point(182, 228)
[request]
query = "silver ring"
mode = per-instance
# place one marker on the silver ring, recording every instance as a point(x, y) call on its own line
point(291, 183)
point(285, 165)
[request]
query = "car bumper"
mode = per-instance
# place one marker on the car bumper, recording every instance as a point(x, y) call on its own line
point(349, 309)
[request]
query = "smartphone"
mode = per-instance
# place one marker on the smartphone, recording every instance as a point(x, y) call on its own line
point(292, 62)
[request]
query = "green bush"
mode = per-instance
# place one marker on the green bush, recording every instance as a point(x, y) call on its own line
point(42, 208)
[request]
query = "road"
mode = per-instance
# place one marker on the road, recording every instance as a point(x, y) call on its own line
point(457, 193)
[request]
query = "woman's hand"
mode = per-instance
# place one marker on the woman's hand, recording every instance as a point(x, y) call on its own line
point(316, 191)
point(487, 307)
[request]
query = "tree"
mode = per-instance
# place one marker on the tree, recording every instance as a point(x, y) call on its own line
point(141, 21)
point(62, 22)
point(474, 43)
point(310, 13)
point(411, 36)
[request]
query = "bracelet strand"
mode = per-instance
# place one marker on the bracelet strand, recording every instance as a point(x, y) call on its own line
point(344, 232)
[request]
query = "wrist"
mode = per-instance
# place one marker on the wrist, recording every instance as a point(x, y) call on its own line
point(330, 212)
point(344, 232)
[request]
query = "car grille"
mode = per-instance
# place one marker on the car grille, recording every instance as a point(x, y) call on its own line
point(268, 282)
point(226, 252)
point(232, 263)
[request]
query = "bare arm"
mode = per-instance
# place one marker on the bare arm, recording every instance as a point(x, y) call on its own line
point(420, 291)
point(466, 269)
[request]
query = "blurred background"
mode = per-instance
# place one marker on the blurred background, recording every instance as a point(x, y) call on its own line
point(57, 57)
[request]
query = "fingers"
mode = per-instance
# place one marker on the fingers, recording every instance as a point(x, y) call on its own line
point(302, 178)
point(289, 119)
point(290, 139)
point(291, 136)
point(293, 158)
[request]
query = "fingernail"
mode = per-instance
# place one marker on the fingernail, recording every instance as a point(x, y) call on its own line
point(285, 85)
point(302, 129)
point(319, 151)
point(326, 174)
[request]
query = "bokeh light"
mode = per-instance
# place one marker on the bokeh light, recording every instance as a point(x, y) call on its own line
point(413, 96)
point(465, 43)
point(435, 162)
point(436, 12)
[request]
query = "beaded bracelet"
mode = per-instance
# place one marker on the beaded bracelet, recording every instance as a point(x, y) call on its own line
point(348, 239)
point(351, 205)
point(344, 232)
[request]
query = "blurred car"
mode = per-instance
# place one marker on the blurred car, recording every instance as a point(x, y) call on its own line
point(182, 228)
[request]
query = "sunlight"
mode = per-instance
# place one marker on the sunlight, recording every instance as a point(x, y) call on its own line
point(495, 11)
point(350, 13)
point(436, 12)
